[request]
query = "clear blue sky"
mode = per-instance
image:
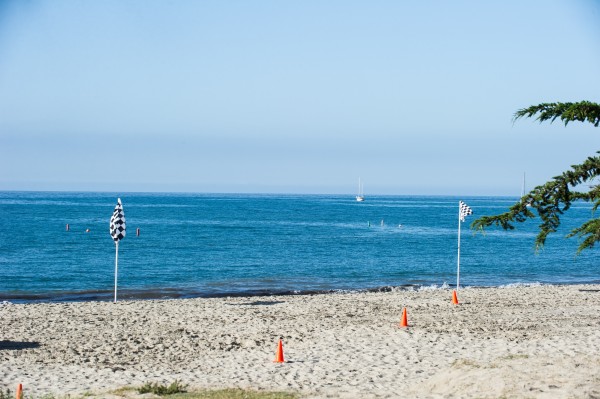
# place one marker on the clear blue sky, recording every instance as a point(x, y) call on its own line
point(292, 96)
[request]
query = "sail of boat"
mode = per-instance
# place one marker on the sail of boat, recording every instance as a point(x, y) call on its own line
point(523, 190)
point(361, 196)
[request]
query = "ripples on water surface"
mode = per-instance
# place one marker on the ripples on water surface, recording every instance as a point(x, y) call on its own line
point(212, 245)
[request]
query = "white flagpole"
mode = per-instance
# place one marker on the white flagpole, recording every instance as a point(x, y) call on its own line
point(458, 260)
point(116, 267)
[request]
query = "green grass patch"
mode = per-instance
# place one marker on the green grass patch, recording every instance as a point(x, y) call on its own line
point(234, 394)
point(129, 392)
point(162, 390)
point(177, 390)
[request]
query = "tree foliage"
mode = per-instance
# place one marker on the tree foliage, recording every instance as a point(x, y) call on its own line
point(583, 111)
point(555, 197)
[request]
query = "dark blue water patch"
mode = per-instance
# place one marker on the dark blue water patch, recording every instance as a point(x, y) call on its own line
point(210, 244)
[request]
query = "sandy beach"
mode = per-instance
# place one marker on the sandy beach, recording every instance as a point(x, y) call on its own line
point(537, 341)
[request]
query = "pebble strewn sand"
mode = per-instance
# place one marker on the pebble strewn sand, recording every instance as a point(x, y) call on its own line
point(539, 341)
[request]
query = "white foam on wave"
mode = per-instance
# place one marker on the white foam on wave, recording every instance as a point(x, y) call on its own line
point(433, 287)
point(519, 285)
point(5, 303)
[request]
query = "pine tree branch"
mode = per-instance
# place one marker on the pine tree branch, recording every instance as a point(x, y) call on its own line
point(550, 201)
point(583, 111)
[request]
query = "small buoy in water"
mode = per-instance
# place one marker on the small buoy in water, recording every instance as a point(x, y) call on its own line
point(382, 222)
point(137, 232)
point(87, 230)
point(67, 226)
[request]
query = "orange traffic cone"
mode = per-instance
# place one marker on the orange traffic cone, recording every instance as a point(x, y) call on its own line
point(454, 298)
point(20, 391)
point(279, 355)
point(404, 322)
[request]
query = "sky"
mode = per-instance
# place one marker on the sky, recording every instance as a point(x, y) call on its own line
point(292, 96)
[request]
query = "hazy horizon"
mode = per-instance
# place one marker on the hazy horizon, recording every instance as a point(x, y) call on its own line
point(290, 192)
point(269, 97)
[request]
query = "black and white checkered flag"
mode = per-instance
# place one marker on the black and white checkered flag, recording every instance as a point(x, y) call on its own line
point(117, 222)
point(464, 211)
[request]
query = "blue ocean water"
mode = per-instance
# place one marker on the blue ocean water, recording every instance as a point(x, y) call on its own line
point(224, 244)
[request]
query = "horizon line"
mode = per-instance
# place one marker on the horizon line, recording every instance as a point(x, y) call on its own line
point(254, 193)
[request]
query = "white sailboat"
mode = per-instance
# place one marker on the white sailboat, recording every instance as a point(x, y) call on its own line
point(523, 190)
point(361, 196)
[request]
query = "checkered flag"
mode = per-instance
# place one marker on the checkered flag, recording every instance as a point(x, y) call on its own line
point(117, 222)
point(464, 211)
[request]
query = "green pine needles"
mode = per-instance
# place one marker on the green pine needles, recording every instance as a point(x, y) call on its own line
point(583, 111)
point(551, 200)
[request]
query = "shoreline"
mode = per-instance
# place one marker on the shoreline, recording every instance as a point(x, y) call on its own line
point(182, 293)
point(523, 341)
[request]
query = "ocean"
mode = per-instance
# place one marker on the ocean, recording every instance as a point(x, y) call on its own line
point(209, 245)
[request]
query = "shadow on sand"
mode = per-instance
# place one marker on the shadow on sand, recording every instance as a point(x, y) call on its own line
point(18, 345)
point(258, 303)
